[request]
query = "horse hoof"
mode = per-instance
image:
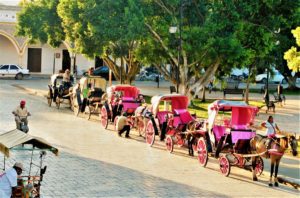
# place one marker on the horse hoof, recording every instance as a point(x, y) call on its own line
point(255, 179)
point(276, 184)
point(270, 184)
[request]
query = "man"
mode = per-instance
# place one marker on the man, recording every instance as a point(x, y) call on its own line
point(67, 79)
point(8, 180)
point(21, 114)
point(271, 127)
point(123, 125)
point(91, 71)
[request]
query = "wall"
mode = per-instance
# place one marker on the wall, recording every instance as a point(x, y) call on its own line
point(8, 53)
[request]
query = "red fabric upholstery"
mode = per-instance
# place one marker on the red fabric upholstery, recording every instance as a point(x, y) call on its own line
point(184, 115)
point(219, 131)
point(161, 116)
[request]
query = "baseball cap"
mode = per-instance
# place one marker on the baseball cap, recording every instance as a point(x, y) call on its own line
point(19, 165)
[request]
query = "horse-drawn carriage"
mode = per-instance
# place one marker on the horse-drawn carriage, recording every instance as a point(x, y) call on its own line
point(169, 117)
point(89, 95)
point(29, 184)
point(120, 99)
point(228, 136)
point(59, 91)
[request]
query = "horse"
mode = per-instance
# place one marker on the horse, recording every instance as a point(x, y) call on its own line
point(275, 153)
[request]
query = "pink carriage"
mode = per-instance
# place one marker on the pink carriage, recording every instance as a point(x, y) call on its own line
point(121, 98)
point(229, 134)
point(168, 111)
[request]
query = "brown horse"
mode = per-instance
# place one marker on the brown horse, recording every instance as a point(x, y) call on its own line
point(277, 148)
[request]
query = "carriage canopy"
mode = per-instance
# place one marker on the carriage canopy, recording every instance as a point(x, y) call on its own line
point(128, 91)
point(177, 101)
point(242, 114)
point(11, 139)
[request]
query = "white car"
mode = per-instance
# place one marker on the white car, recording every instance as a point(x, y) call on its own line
point(276, 78)
point(11, 70)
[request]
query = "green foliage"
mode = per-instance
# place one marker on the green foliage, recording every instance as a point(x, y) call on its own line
point(292, 56)
point(38, 20)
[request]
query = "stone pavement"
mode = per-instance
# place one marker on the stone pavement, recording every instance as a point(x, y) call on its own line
point(96, 163)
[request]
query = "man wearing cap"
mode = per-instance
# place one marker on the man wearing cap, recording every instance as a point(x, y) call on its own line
point(123, 124)
point(21, 114)
point(8, 180)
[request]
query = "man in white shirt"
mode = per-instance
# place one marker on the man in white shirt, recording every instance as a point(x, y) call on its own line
point(9, 180)
point(123, 125)
point(21, 114)
point(271, 127)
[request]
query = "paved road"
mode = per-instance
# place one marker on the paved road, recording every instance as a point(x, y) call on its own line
point(96, 163)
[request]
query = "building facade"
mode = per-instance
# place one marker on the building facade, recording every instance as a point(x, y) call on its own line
point(38, 58)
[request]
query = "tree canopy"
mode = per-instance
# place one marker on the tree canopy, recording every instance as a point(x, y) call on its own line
point(292, 56)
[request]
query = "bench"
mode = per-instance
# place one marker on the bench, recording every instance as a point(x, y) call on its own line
point(233, 91)
point(233, 88)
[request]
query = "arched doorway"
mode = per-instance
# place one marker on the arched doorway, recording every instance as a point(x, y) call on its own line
point(8, 51)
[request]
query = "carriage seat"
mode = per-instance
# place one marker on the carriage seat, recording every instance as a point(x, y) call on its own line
point(219, 131)
point(161, 115)
point(241, 135)
point(184, 115)
point(95, 95)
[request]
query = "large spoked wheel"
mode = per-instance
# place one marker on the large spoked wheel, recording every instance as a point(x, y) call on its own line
point(150, 134)
point(169, 143)
point(104, 117)
point(202, 152)
point(57, 103)
point(224, 165)
point(115, 122)
point(259, 166)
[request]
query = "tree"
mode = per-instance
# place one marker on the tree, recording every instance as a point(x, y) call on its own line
point(38, 20)
point(208, 41)
point(292, 56)
point(111, 29)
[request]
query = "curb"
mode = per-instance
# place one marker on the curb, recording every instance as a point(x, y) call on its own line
point(31, 91)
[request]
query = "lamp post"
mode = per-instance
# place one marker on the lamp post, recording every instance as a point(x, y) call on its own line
point(267, 97)
point(173, 30)
point(73, 67)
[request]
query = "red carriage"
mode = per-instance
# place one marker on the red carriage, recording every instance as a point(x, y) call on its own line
point(169, 117)
point(120, 98)
point(228, 136)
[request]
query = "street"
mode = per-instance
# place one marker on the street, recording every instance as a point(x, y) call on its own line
point(94, 162)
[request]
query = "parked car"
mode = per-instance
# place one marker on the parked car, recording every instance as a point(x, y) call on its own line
point(11, 70)
point(103, 72)
point(276, 78)
point(239, 74)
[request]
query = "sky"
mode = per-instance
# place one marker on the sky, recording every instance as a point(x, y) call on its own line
point(10, 2)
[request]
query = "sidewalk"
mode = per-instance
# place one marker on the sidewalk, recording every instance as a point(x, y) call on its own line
point(287, 117)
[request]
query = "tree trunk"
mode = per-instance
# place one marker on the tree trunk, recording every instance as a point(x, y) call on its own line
point(203, 94)
point(247, 86)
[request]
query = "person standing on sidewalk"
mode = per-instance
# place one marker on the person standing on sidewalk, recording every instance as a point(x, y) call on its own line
point(123, 124)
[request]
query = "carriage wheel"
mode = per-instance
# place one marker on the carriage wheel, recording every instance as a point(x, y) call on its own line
point(49, 99)
point(224, 165)
point(150, 134)
point(169, 143)
point(259, 166)
point(104, 117)
point(202, 152)
point(140, 125)
point(115, 122)
point(57, 103)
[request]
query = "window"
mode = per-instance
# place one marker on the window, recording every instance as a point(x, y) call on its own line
point(4, 67)
point(13, 67)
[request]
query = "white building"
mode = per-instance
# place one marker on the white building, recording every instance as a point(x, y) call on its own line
point(39, 58)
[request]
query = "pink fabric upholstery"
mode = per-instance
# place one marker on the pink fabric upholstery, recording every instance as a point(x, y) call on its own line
point(243, 135)
point(219, 131)
point(176, 121)
point(161, 116)
point(184, 115)
point(239, 126)
point(128, 98)
point(130, 105)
